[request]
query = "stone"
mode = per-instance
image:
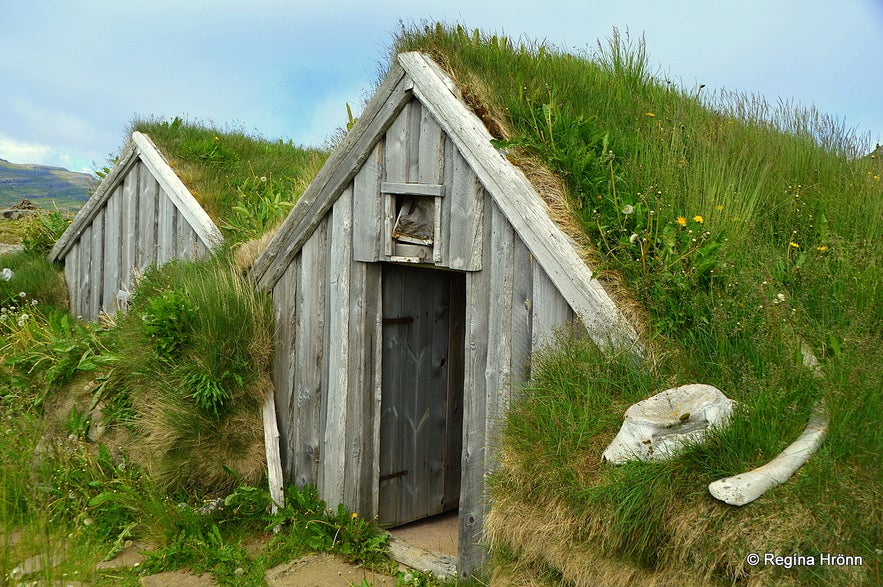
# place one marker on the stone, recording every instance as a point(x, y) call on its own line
point(658, 427)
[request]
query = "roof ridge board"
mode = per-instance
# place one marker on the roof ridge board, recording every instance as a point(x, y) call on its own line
point(529, 217)
point(333, 177)
point(179, 193)
point(102, 193)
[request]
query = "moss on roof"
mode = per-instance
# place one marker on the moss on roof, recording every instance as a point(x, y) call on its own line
point(245, 183)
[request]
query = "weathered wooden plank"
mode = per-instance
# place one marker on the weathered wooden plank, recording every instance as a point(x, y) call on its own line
point(367, 208)
point(334, 463)
point(412, 189)
point(286, 297)
point(396, 148)
point(442, 247)
point(334, 176)
point(72, 277)
point(148, 204)
point(177, 192)
point(271, 447)
point(466, 216)
point(473, 504)
point(105, 189)
point(392, 450)
point(97, 266)
point(112, 250)
point(130, 228)
point(283, 307)
point(549, 310)
point(309, 360)
point(436, 405)
point(453, 436)
point(363, 298)
point(374, 279)
point(498, 374)
point(412, 144)
point(521, 316)
point(430, 150)
point(165, 229)
point(84, 273)
point(521, 205)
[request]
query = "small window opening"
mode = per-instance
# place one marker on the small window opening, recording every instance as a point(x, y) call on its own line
point(415, 219)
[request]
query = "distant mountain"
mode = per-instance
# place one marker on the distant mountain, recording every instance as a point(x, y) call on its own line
point(47, 187)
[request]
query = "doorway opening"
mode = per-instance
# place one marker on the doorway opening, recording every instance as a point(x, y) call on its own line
point(422, 370)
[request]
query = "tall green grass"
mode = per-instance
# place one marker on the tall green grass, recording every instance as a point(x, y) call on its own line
point(744, 229)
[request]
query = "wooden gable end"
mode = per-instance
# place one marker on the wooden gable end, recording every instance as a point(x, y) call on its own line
point(415, 160)
point(141, 215)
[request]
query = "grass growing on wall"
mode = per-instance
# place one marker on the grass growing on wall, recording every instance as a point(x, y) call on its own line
point(744, 229)
point(246, 184)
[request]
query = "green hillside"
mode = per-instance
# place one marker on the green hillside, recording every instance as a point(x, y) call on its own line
point(735, 233)
point(47, 187)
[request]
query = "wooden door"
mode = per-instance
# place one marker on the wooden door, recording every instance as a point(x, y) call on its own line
point(421, 392)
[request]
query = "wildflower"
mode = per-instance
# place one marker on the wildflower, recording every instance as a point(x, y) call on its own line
point(7, 274)
point(780, 297)
point(698, 219)
point(719, 207)
point(793, 244)
point(650, 114)
point(682, 221)
point(822, 248)
point(22, 294)
point(628, 209)
point(633, 239)
point(217, 138)
point(263, 179)
point(355, 515)
point(34, 302)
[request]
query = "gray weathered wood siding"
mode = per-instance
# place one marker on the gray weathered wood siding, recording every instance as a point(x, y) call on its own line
point(327, 308)
point(141, 215)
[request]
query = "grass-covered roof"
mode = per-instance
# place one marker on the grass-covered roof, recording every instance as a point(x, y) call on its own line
point(744, 230)
point(245, 183)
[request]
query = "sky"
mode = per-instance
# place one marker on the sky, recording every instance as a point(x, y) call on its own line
point(74, 73)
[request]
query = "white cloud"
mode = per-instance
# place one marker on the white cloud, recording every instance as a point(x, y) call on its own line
point(20, 152)
point(16, 151)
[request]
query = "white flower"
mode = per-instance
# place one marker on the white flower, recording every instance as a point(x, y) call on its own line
point(22, 294)
point(633, 239)
point(263, 179)
point(34, 302)
point(780, 297)
point(628, 209)
point(7, 274)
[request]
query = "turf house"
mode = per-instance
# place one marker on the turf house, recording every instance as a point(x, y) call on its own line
point(140, 215)
point(411, 283)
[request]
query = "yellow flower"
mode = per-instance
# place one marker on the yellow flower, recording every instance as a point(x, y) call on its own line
point(793, 244)
point(649, 114)
point(682, 221)
point(355, 515)
point(822, 248)
point(698, 219)
point(719, 207)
